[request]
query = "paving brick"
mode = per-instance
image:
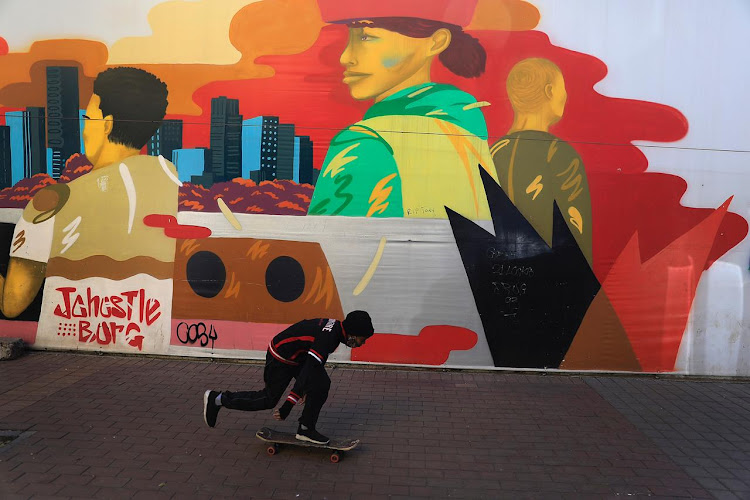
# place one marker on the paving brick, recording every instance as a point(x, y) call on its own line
point(478, 435)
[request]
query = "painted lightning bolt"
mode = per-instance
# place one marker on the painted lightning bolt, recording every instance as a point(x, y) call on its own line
point(379, 196)
point(535, 187)
point(70, 234)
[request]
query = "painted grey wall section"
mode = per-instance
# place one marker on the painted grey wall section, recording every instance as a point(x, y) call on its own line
point(420, 280)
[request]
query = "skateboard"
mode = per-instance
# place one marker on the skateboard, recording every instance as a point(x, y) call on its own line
point(276, 438)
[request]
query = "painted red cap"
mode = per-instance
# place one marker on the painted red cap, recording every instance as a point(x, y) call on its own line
point(458, 12)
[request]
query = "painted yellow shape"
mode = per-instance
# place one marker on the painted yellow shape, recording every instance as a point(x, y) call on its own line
point(362, 130)
point(417, 92)
point(371, 270)
point(535, 187)
point(480, 104)
point(438, 166)
point(463, 147)
point(574, 180)
point(379, 195)
point(338, 162)
point(322, 288)
point(438, 112)
point(552, 150)
point(228, 215)
point(576, 219)
point(233, 290)
point(183, 33)
point(500, 145)
point(258, 250)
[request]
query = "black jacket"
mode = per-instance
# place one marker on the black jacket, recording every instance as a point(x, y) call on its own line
point(308, 344)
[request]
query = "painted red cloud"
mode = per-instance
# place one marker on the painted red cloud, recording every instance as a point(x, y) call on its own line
point(173, 229)
point(625, 197)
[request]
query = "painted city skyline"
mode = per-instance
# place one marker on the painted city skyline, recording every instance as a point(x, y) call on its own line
point(40, 140)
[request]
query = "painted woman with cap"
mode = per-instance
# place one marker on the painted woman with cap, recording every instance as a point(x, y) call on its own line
point(419, 147)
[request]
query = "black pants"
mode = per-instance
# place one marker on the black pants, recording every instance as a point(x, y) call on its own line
point(277, 376)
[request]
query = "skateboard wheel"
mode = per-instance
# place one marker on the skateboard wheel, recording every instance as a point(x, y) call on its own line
point(335, 457)
point(272, 449)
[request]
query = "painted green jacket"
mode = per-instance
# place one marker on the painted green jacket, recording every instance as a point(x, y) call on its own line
point(413, 154)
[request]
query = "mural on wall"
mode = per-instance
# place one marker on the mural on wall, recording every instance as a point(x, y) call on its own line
point(419, 145)
point(438, 163)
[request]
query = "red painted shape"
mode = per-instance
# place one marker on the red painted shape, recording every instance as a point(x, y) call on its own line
point(24, 330)
point(160, 220)
point(3, 46)
point(653, 298)
point(625, 198)
point(182, 232)
point(431, 347)
point(174, 230)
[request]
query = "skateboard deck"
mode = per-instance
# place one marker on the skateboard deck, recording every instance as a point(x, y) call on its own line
point(276, 438)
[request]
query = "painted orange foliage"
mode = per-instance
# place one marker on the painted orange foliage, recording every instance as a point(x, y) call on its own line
point(289, 204)
point(192, 204)
point(243, 182)
point(267, 198)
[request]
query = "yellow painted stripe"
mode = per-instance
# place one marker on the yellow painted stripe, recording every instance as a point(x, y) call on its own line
point(416, 93)
point(510, 171)
point(371, 270)
point(480, 104)
point(228, 214)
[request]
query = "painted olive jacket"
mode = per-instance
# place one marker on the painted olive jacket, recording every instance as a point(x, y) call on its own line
point(413, 154)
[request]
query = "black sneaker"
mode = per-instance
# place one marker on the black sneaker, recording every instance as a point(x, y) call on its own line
point(310, 435)
point(210, 408)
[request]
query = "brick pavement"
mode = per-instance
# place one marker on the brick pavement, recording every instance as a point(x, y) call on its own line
point(131, 427)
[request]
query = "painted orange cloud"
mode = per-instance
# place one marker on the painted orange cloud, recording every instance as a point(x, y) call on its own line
point(183, 33)
point(23, 76)
point(504, 15)
point(255, 30)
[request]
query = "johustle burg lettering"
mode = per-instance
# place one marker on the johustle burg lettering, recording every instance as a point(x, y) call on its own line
point(103, 317)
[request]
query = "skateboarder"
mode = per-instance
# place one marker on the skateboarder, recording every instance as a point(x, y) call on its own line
point(299, 353)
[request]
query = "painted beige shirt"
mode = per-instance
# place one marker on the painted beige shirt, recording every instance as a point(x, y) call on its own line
point(99, 229)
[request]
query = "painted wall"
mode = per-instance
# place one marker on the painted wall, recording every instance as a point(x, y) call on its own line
point(507, 183)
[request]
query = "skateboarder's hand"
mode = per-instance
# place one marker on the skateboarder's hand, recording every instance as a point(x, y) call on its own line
point(283, 411)
point(302, 399)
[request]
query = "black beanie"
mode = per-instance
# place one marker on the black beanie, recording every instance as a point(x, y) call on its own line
point(358, 324)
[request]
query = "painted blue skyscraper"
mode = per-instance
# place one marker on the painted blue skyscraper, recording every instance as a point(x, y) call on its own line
point(14, 121)
point(28, 149)
point(6, 177)
point(166, 139)
point(285, 148)
point(295, 165)
point(226, 139)
point(260, 137)
point(81, 125)
point(305, 175)
point(191, 164)
point(63, 129)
